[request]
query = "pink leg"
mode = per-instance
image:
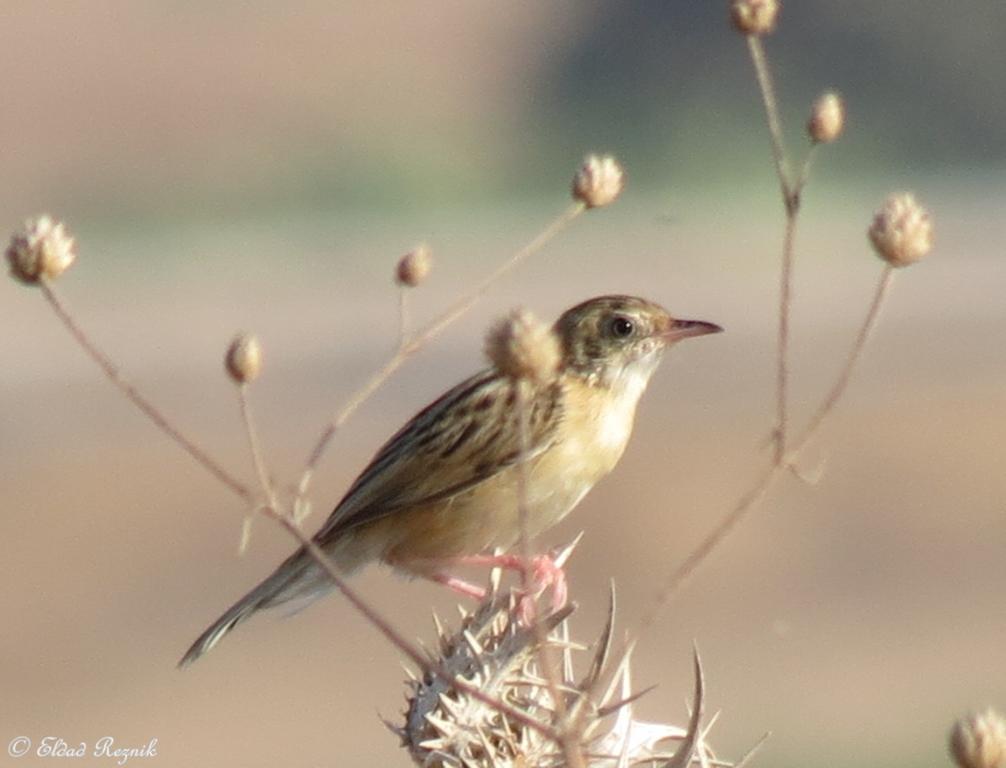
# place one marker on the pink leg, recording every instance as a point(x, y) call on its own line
point(506, 562)
point(459, 585)
point(544, 573)
point(542, 570)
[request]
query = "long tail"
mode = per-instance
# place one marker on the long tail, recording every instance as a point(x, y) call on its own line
point(292, 578)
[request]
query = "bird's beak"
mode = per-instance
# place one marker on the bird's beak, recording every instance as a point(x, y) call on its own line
point(683, 329)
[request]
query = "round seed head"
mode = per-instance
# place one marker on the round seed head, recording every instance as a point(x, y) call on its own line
point(827, 118)
point(42, 249)
point(599, 181)
point(902, 232)
point(244, 358)
point(754, 17)
point(414, 266)
point(979, 741)
point(523, 347)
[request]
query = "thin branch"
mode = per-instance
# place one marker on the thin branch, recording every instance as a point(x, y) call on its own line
point(524, 537)
point(855, 354)
point(272, 509)
point(255, 446)
point(258, 461)
point(782, 353)
point(767, 89)
point(423, 337)
point(791, 204)
point(746, 759)
point(767, 478)
point(791, 190)
point(151, 411)
point(698, 555)
point(383, 626)
point(804, 177)
point(403, 316)
point(568, 738)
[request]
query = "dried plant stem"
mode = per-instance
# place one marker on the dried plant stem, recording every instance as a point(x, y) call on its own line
point(767, 478)
point(383, 626)
point(804, 177)
point(673, 582)
point(767, 89)
point(418, 340)
point(273, 511)
point(749, 755)
point(791, 203)
point(403, 316)
point(791, 190)
point(785, 307)
point(258, 462)
point(255, 447)
point(151, 411)
point(842, 382)
point(568, 738)
point(782, 353)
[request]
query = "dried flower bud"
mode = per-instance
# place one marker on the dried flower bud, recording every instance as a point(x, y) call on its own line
point(599, 181)
point(901, 232)
point(42, 250)
point(414, 266)
point(754, 17)
point(827, 118)
point(979, 741)
point(244, 358)
point(522, 347)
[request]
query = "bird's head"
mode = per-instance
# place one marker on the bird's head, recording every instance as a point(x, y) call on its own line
point(612, 339)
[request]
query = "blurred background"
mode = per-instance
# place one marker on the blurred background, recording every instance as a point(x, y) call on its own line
point(261, 166)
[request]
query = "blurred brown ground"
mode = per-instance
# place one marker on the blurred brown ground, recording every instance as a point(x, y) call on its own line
point(854, 619)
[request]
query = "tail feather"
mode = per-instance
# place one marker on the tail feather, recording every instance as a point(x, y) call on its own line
point(291, 579)
point(208, 639)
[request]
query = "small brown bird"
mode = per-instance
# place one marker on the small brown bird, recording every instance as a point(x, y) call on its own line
point(443, 490)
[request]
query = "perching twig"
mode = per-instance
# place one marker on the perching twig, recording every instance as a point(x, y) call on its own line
point(418, 340)
point(151, 411)
point(272, 508)
point(842, 382)
point(403, 316)
point(258, 461)
point(383, 626)
point(767, 478)
point(568, 737)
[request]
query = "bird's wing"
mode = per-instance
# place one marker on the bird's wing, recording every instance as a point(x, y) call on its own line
point(470, 434)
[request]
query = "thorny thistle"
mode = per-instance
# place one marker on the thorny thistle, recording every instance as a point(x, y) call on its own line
point(494, 652)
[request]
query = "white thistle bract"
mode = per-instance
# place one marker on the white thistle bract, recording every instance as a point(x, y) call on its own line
point(490, 650)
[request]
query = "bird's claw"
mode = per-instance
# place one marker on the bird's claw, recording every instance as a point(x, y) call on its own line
point(541, 573)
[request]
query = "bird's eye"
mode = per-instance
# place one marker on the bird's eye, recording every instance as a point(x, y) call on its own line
point(621, 327)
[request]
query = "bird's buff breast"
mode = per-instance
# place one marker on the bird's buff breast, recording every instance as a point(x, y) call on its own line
point(590, 441)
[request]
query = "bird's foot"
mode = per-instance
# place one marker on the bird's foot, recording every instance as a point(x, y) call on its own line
point(460, 586)
point(540, 572)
